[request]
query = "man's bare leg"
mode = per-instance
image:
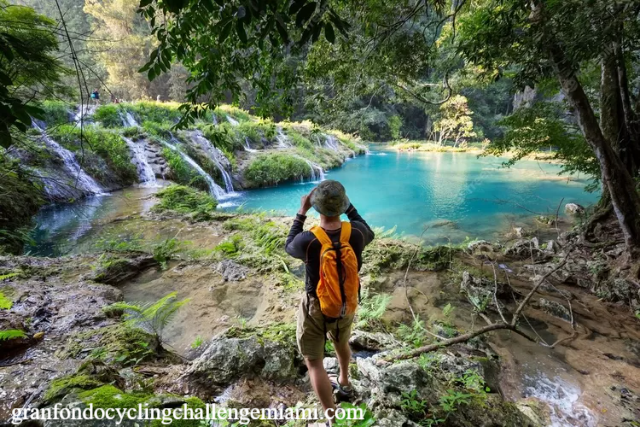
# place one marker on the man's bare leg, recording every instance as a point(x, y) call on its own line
point(321, 384)
point(343, 351)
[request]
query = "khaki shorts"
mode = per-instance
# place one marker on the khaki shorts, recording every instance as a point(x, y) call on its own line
point(312, 329)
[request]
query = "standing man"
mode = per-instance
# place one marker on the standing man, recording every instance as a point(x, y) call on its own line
point(332, 253)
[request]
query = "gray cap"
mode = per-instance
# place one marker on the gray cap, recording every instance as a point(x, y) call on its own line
point(330, 198)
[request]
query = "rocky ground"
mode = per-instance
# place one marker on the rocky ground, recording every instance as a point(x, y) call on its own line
point(234, 341)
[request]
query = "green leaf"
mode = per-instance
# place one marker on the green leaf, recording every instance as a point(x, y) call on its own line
point(11, 334)
point(329, 34)
point(282, 31)
point(5, 303)
point(317, 28)
point(226, 30)
point(296, 6)
point(305, 13)
point(242, 34)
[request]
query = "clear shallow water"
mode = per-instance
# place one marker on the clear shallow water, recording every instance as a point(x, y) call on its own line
point(455, 194)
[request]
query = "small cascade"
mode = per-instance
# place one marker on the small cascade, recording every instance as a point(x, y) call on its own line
point(82, 180)
point(331, 142)
point(282, 138)
point(128, 120)
point(214, 189)
point(217, 156)
point(317, 173)
point(139, 158)
point(247, 145)
point(233, 121)
point(84, 112)
point(215, 118)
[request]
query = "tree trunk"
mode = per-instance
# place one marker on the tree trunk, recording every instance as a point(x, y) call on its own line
point(625, 199)
point(630, 146)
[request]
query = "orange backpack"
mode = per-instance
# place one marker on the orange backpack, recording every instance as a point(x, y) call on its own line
point(339, 285)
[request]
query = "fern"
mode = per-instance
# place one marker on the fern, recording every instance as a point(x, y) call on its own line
point(5, 303)
point(11, 334)
point(150, 317)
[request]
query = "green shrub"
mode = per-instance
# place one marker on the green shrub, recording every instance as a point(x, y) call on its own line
point(107, 144)
point(109, 115)
point(20, 199)
point(166, 113)
point(270, 169)
point(55, 112)
point(185, 200)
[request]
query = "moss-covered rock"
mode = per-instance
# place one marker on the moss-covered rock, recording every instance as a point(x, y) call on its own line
point(114, 269)
point(115, 344)
point(269, 353)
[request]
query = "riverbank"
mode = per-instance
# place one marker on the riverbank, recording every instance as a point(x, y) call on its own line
point(243, 291)
point(472, 148)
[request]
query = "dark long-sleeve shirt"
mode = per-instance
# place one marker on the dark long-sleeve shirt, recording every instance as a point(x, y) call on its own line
point(305, 246)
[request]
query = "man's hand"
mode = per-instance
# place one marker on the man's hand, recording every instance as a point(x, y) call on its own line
point(305, 203)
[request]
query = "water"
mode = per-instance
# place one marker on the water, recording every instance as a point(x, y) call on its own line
point(139, 159)
point(233, 121)
point(414, 190)
point(331, 142)
point(317, 173)
point(282, 138)
point(81, 180)
point(214, 189)
point(129, 120)
point(60, 227)
point(247, 145)
point(217, 157)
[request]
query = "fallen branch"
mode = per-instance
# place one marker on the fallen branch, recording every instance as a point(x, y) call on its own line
point(504, 325)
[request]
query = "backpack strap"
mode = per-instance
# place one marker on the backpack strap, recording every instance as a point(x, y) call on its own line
point(321, 235)
point(345, 233)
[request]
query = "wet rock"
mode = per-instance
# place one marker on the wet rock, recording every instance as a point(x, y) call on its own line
point(401, 377)
point(372, 341)
point(232, 271)
point(269, 353)
point(482, 249)
point(490, 412)
point(114, 269)
point(551, 247)
point(573, 209)
point(524, 249)
point(331, 365)
point(555, 309)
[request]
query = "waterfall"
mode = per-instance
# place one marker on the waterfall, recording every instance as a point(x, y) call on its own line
point(282, 138)
point(82, 180)
point(84, 111)
point(128, 120)
point(139, 158)
point(216, 155)
point(247, 145)
point(215, 119)
point(317, 174)
point(214, 189)
point(331, 142)
point(233, 121)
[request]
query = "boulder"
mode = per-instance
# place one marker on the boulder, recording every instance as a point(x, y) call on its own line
point(397, 378)
point(526, 249)
point(372, 341)
point(573, 209)
point(268, 353)
point(232, 271)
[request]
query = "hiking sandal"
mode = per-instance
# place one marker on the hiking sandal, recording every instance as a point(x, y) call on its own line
point(342, 393)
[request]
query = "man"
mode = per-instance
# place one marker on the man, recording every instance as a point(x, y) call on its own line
point(330, 200)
